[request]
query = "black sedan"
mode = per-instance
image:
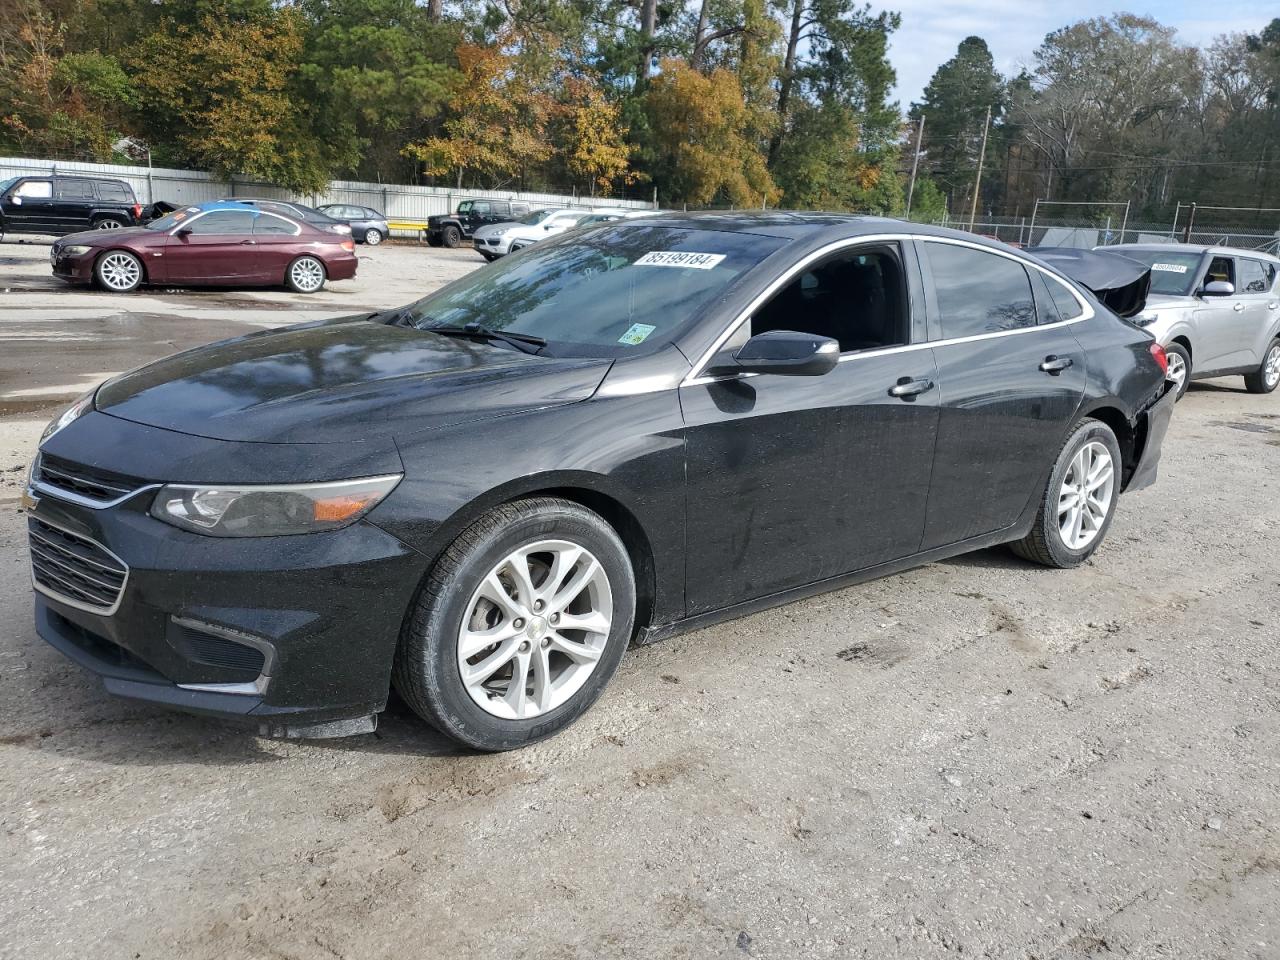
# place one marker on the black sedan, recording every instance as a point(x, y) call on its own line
point(616, 435)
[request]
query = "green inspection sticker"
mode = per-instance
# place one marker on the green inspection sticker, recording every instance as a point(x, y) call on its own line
point(637, 333)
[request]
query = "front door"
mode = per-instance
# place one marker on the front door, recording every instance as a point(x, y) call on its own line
point(1009, 387)
point(218, 247)
point(825, 474)
point(28, 207)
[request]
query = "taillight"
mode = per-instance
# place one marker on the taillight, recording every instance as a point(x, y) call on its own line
point(349, 246)
point(137, 211)
point(1162, 358)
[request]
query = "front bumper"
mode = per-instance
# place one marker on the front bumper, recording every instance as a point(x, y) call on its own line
point(1153, 425)
point(302, 629)
point(77, 269)
point(492, 246)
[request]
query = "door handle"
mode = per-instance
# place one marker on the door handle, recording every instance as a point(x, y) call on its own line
point(906, 388)
point(1056, 365)
point(247, 242)
point(1237, 307)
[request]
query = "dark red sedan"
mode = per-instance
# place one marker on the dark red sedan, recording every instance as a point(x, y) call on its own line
point(216, 244)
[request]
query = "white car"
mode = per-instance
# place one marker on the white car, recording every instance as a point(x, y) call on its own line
point(499, 239)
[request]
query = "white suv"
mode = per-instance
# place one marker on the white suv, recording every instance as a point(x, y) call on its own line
point(499, 239)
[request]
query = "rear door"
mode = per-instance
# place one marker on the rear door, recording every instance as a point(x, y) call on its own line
point(1009, 380)
point(217, 247)
point(73, 202)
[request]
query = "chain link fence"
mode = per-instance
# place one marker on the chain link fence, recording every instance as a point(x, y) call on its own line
point(1086, 234)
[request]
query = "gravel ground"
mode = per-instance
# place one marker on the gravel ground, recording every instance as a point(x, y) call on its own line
point(975, 758)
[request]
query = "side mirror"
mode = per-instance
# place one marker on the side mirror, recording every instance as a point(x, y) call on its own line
point(182, 232)
point(1219, 288)
point(17, 200)
point(546, 226)
point(785, 352)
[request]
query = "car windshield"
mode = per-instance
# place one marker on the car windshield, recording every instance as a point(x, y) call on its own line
point(6, 184)
point(1173, 272)
point(536, 217)
point(171, 220)
point(609, 292)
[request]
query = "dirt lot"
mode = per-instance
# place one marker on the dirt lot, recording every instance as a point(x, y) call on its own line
point(976, 758)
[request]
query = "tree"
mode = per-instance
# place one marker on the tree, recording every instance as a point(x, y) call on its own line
point(595, 138)
point(701, 149)
point(954, 110)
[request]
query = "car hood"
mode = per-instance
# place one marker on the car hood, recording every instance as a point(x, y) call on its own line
point(339, 382)
point(101, 237)
point(489, 229)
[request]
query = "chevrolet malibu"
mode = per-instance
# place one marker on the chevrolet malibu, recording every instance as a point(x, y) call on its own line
point(220, 243)
point(625, 432)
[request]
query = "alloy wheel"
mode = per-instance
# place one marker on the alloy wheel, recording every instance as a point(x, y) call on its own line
point(535, 629)
point(1086, 494)
point(119, 272)
point(307, 274)
point(1177, 371)
point(1271, 367)
point(372, 237)
point(108, 225)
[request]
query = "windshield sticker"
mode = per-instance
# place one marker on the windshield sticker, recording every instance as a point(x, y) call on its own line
point(1169, 267)
point(679, 258)
point(637, 334)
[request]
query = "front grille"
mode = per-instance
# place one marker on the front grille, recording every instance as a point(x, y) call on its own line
point(98, 485)
point(75, 569)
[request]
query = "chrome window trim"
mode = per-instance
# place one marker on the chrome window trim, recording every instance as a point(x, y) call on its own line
point(255, 687)
point(70, 602)
point(185, 224)
point(696, 376)
point(297, 227)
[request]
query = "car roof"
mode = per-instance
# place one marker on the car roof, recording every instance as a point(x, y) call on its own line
point(1196, 248)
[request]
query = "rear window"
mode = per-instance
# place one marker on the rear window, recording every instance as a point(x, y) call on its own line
point(74, 189)
point(115, 190)
point(979, 292)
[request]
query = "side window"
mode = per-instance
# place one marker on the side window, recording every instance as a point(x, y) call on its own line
point(267, 225)
point(223, 222)
point(1253, 277)
point(1068, 306)
point(74, 189)
point(979, 292)
point(858, 298)
point(38, 189)
point(1221, 268)
point(114, 190)
point(480, 207)
point(1046, 309)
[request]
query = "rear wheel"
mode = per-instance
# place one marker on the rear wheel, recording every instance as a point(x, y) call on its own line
point(519, 626)
point(1078, 501)
point(108, 223)
point(1179, 367)
point(118, 271)
point(451, 236)
point(373, 237)
point(1267, 377)
point(305, 275)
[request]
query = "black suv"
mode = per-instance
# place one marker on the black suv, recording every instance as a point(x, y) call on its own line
point(60, 205)
point(449, 228)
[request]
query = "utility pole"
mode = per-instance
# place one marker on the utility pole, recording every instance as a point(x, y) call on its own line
point(977, 177)
point(915, 165)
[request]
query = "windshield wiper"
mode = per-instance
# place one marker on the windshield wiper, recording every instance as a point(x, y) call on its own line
point(525, 342)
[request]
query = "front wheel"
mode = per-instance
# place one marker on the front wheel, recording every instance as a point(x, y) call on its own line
point(519, 626)
point(1267, 377)
point(1179, 371)
point(118, 271)
point(373, 237)
point(305, 275)
point(1079, 500)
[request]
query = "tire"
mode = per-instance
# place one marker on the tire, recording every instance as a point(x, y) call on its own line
point(1047, 543)
point(118, 271)
point(1179, 359)
point(454, 601)
point(306, 274)
point(108, 223)
point(451, 236)
point(1267, 377)
point(373, 237)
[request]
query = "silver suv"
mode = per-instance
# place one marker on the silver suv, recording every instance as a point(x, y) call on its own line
point(1216, 311)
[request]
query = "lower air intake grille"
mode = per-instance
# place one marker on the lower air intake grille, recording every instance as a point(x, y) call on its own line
point(75, 569)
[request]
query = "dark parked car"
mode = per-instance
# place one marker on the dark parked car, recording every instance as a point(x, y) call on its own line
point(297, 211)
point(449, 229)
point(58, 205)
point(624, 432)
point(367, 226)
point(217, 244)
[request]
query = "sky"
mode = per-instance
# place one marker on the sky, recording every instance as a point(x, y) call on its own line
point(932, 29)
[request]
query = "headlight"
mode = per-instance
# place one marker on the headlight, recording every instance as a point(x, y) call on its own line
point(69, 416)
point(499, 231)
point(269, 511)
point(75, 250)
